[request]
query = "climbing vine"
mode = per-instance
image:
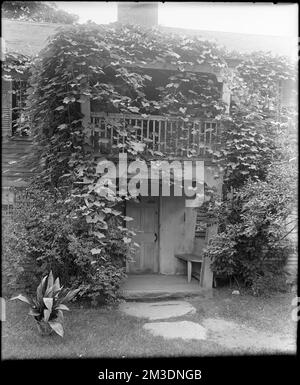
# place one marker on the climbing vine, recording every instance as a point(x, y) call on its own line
point(104, 64)
point(15, 64)
point(258, 162)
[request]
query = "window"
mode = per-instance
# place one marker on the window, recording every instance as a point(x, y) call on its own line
point(8, 198)
point(201, 223)
point(7, 210)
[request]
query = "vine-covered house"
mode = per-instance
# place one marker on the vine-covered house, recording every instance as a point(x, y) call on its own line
point(165, 226)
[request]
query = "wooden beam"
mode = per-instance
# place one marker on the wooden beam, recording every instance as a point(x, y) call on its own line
point(161, 65)
point(203, 68)
point(6, 108)
point(226, 96)
point(86, 110)
point(207, 277)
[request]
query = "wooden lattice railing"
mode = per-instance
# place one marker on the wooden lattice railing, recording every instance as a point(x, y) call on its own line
point(170, 136)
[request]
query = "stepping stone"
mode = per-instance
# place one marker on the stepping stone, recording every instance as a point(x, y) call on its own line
point(157, 310)
point(183, 329)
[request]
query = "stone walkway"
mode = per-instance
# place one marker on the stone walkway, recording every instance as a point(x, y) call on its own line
point(180, 329)
point(164, 310)
point(229, 334)
point(157, 310)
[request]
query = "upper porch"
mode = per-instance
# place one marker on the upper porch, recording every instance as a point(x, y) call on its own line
point(172, 137)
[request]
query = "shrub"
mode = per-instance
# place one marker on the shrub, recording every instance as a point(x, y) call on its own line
point(268, 283)
point(14, 246)
point(251, 260)
point(252, 245)
point(58, 240)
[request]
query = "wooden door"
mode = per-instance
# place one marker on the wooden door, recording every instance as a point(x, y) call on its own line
point(145, 225)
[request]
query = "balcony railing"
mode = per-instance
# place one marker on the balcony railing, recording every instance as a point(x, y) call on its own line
point(170, 136)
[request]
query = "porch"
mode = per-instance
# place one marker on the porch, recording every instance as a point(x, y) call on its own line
point(172, 136)
point(159, 286)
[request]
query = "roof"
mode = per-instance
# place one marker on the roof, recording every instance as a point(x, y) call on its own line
point(29, 38)
point(244, 43)
point(26, 37)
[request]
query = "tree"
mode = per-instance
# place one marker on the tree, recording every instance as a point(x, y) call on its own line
point(37, 11)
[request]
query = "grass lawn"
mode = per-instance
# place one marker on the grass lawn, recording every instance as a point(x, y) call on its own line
point(106, 332)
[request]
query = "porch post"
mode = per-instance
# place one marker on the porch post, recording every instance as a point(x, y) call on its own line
point(207, 274)
point(6, 108)
point(226, 96)
point(86, 111)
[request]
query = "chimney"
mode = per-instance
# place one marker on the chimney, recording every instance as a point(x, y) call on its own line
point(141, 13)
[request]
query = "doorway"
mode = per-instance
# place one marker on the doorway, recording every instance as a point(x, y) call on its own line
point(145, 216)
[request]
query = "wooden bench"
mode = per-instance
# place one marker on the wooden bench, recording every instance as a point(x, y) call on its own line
point(190, 259)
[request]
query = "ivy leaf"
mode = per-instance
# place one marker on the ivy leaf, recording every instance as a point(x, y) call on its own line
point(134, 109)
point(96, 251)
point(89, 219)
point(127, 219)
point(96, 218)
point(138, 147)
point(68, 99)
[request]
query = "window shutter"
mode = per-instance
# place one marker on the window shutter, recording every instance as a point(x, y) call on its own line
point(6, 108)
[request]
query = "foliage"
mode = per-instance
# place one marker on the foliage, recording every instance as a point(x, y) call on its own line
point(250, 135)
point(16, 65)
point(269, 283)
point(59, 240)
point(38, 11)
point(252, 244)
point(48, 305)
point(14, 244)
point(73, 228)
point(258, 166)
point(104, 65)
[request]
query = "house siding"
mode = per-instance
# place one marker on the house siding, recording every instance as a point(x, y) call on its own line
point(27, 38)
point(15, 169)
point(6, 108)
point(292, 262)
